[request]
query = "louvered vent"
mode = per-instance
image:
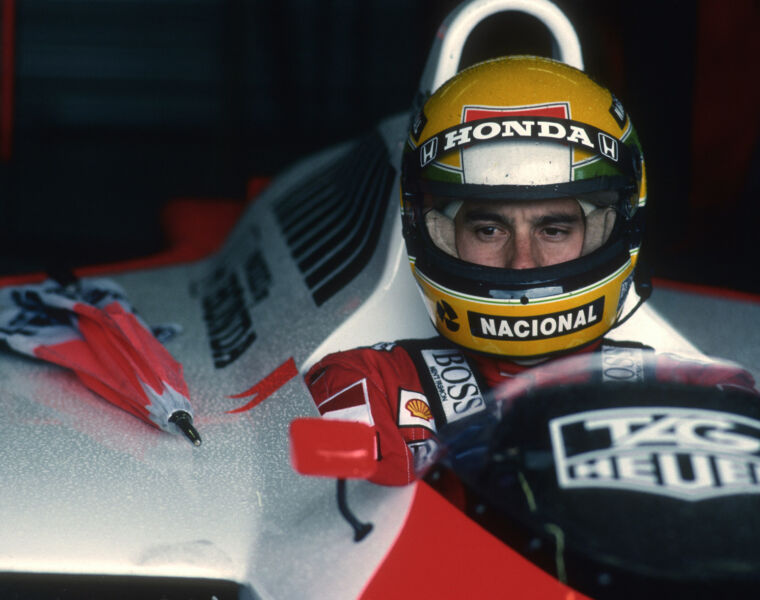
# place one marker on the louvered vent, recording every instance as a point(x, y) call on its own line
point(332, 222)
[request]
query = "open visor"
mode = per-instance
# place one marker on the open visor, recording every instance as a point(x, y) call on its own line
point(601, 199)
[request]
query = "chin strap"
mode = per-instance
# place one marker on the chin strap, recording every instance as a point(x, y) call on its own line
point(642, 282)
point(619, 322)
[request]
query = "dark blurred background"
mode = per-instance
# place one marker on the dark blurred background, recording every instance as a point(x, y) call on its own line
point(111, 108)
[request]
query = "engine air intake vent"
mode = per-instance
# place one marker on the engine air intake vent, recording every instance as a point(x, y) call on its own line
point(332, 222)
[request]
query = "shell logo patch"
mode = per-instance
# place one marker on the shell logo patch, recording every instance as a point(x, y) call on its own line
point(419, 408)
point(414, 410)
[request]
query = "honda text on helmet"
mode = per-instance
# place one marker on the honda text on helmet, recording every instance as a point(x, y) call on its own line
point(523, 191)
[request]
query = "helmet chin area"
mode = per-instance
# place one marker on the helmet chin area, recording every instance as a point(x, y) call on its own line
point(524, 313)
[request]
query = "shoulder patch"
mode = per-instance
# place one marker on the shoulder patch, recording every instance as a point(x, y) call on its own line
point(423, 454)
point(349, 404)
point(620, 363)
point(384, 346)
point(414, 410)
point(455, 383)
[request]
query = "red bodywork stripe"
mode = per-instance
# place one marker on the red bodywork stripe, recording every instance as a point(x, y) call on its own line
point(440, 553)
point(267, 386)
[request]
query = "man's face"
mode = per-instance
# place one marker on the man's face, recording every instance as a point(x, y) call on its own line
point(519, 235)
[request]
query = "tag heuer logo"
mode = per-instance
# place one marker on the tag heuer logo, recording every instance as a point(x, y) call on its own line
point(689, 454)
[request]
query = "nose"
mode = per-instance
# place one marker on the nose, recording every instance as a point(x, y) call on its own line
point(522, 253)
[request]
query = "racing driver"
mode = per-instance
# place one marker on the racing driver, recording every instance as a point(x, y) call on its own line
point(523, 195)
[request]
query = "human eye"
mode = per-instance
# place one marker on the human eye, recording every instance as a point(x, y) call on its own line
point(559, 230)
point(486, 230)
point(489, 232)
point(555, 232)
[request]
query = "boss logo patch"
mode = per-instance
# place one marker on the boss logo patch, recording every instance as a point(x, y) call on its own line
point(539, 327)
point(684, 453)
point(622, 364)
point(455, 383)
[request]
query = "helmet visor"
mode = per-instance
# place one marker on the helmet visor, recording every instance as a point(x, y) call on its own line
point(517, 232)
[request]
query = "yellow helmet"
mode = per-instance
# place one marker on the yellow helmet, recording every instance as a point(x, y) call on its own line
point(523, 129)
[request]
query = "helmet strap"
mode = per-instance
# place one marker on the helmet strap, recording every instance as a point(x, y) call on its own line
point(642, 283)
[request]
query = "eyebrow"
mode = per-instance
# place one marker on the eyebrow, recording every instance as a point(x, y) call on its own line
point(559, 218)
point(553, 218)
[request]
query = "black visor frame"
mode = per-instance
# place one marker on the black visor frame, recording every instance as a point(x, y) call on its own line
point(614, 191)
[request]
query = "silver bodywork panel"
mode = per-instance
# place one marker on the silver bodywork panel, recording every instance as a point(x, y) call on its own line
point(94, 490)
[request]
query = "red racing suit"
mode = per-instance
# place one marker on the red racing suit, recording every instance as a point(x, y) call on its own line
point(409, 389)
